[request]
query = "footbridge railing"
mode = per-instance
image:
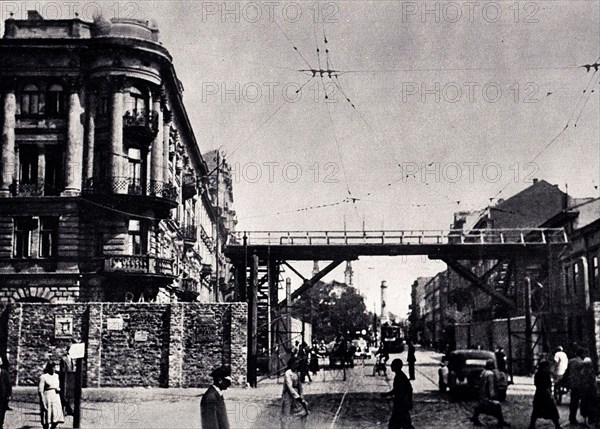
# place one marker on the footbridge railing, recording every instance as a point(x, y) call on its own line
point(476, 237)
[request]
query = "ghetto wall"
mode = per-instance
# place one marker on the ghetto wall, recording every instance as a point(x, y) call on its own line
point(127, 344)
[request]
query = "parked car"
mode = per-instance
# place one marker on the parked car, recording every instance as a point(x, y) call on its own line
point(464, 372)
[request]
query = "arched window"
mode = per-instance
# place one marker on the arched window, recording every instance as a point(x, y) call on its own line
point(55, 100)
point(136, 102)
point(32, 100)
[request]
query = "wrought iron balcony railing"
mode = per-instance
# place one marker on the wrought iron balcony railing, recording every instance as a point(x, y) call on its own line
point(190, 233)
point(36, 188)
point(129, 186)
point(138, 264)
point(141, 125)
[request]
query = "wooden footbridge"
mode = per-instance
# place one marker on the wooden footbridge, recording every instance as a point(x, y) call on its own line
point(259, 255)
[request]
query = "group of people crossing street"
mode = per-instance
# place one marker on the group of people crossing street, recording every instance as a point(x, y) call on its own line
point(577, 373)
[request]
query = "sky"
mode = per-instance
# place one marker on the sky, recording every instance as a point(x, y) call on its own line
point(453, 105)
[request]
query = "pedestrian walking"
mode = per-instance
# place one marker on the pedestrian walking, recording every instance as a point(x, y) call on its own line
point(443, 377)
point(501, 359)
point(213, 412)
point(294, 409)
point(488, 397)
point(303, 357)
point(295, 349)
point(67, 383)
point(561, 362)
point(411, 359)
point(402, 393)
point(51, 412)
point(313, 364)
point(543, 403)
point(589, 397)
point(5, 391)
point(574, 369)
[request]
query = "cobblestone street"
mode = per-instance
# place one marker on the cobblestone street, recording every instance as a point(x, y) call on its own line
point(354, 403)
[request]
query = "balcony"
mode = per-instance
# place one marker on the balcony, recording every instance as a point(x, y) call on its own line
point(190, 233)
point(140, 127)
point(129, 186)
point(37, 188)
point(139, 264)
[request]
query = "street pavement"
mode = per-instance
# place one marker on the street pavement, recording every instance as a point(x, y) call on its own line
point(334, 403)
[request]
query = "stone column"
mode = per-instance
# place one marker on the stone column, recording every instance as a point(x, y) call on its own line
point(74, 152)
point(116, 155)
point(90, 137)
point(166, 138)
point(157, 154)
point(8, 141)
point(41, 165)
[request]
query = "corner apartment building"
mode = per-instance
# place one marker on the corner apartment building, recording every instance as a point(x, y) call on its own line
point(103, 191)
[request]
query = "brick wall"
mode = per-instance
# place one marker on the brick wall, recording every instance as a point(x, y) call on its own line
point(159, 345)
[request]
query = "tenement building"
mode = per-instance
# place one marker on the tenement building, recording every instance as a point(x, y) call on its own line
point(103, 190)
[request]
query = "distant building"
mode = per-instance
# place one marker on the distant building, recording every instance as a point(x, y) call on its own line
point(556, 295)
point(102, 187)
point(417, 309)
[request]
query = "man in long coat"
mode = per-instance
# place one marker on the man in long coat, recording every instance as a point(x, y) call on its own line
point(212, 405)
point(5, 391)
point(402, 392)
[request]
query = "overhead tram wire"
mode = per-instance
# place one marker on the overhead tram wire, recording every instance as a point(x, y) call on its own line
point(320, 71)
point(355, 109)
point(293, 45)
point(259, 128)
point(562, 131)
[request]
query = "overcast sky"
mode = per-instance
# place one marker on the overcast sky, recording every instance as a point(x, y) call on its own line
point(458, 87)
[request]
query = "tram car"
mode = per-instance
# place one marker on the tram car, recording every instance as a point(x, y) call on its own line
point(391, 336)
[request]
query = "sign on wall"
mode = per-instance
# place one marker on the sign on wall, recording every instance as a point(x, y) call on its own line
point(141, 336)
point(114, 324)
point(63, 327)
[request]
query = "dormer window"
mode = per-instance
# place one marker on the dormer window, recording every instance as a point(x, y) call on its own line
point(55, 100)
point(32, 100)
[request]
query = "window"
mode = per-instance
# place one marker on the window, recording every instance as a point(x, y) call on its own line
point(53, 174)
point(48, 237)
point(595, 272)
point(567, 280)
point(135, 170)
point(135, 102)
point(28, 161)
point(24, 226)
point(575, 277)
point(137, 237)
point(55, 100)
point(32, 101)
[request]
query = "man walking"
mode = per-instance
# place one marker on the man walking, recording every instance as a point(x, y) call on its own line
point(574, 369)
point(212, 405)
point(488, 397)
point(411, 359)
point(402, 392)
point(5, 391)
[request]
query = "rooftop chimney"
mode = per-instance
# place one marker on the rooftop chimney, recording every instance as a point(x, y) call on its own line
point(535, 180)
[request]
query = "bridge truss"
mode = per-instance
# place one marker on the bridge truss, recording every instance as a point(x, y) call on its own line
point(258, 257)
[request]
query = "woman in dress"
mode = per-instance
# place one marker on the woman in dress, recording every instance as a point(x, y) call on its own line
point(49, 392)
point(294, 408)
point(543, 402)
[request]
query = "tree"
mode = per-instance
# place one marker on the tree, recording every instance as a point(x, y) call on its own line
point(336, 307)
